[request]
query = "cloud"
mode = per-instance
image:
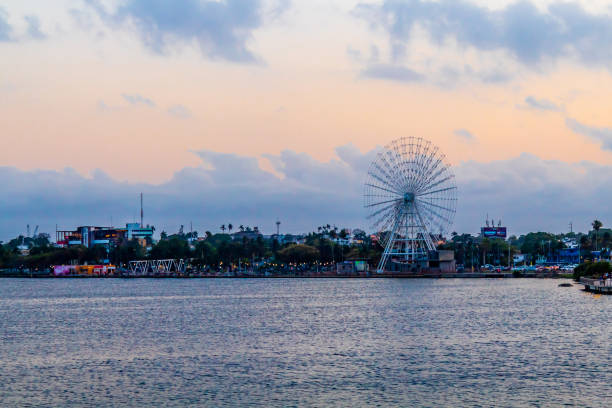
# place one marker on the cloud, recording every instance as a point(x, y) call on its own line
point(603, 135)
point(392, 72)
point(179, 111)
point(222, 29)
point(104, 107)
point(445, 76)
point(226, 188)
point(532, 194)
point(528, 34)
point(5, 27)
point(541, 104)
point(464, 134)
point(526, 192)
point(34, 28)
point(137, 99)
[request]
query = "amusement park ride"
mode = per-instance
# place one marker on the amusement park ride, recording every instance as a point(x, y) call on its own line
point(411, 197)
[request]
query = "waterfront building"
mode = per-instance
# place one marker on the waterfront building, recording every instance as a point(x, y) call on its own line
point(89, 235)
point(569, 255)
point(137, 231)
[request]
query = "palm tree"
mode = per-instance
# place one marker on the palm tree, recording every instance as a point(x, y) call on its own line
point(230, 227)
point(596, 226)
point(223, 228)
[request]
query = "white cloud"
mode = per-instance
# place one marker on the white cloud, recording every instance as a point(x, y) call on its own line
point(600, 134)
point(464, 134)
point(179, 111)
point(532, 102)
point(137, 99)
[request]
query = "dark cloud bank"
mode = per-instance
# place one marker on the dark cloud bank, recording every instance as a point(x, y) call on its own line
point(527, 192)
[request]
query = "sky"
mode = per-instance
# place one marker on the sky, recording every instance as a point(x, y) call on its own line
point(249, 111)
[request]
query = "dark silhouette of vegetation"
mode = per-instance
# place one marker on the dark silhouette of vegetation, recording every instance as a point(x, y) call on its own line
point(592, 269)
point(327, 245)
point(220, 251)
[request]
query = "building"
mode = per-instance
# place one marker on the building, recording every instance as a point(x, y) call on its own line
point(354, 267)
point(136, 231)
point(569, 255)
point(89, 236)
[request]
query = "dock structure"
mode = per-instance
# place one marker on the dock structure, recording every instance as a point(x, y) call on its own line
point(597, 285)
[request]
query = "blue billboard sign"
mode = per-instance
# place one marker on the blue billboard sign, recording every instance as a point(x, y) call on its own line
point(493, 232)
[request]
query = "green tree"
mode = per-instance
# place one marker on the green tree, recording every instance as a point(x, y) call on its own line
point(596, 226)
point(299, 253)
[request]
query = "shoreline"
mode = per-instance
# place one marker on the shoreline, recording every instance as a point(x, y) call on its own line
point(305, 276)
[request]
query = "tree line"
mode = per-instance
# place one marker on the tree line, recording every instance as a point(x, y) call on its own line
point(219, 250)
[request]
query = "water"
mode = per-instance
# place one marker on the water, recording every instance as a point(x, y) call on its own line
point(303, 342)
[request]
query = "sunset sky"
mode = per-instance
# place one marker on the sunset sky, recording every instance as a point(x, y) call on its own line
point(246, 111)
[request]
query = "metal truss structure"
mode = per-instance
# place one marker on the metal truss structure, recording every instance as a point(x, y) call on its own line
point(157, 267)
point(411, 197)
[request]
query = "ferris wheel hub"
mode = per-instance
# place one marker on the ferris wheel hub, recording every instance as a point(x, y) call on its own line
point(408, 198)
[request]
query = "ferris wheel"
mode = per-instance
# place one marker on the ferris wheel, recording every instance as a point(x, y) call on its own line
point(411, 197)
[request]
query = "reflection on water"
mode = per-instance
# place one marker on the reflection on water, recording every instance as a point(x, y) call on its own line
point(310, 342)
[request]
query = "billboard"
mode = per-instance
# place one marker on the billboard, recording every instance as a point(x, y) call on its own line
point(493, 232)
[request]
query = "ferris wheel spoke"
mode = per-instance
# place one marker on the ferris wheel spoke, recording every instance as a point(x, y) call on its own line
point(394, 169)
point(435, 205)
point(432, 219)
point(426, 182)
point(382, 202)
point(425, 166)
point(391, 179)
point(437, 183)
point(436, 191)
point(435, 213)
point(407, 167)
point(382, 188)
point(381, 210)
point(395, 157)
point(385, 221)
point(422, 159)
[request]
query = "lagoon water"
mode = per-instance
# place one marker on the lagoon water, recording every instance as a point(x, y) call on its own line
point(303, 342)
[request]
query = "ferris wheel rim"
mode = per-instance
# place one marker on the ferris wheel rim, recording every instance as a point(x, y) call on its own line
point(411, 165)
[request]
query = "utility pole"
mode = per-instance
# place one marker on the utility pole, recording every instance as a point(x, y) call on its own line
point(571, 227)
point(141, 211)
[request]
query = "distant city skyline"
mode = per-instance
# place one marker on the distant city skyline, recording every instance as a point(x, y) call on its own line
point(252, 111)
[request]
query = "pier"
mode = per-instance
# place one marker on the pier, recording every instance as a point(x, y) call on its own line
point(597, 286)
